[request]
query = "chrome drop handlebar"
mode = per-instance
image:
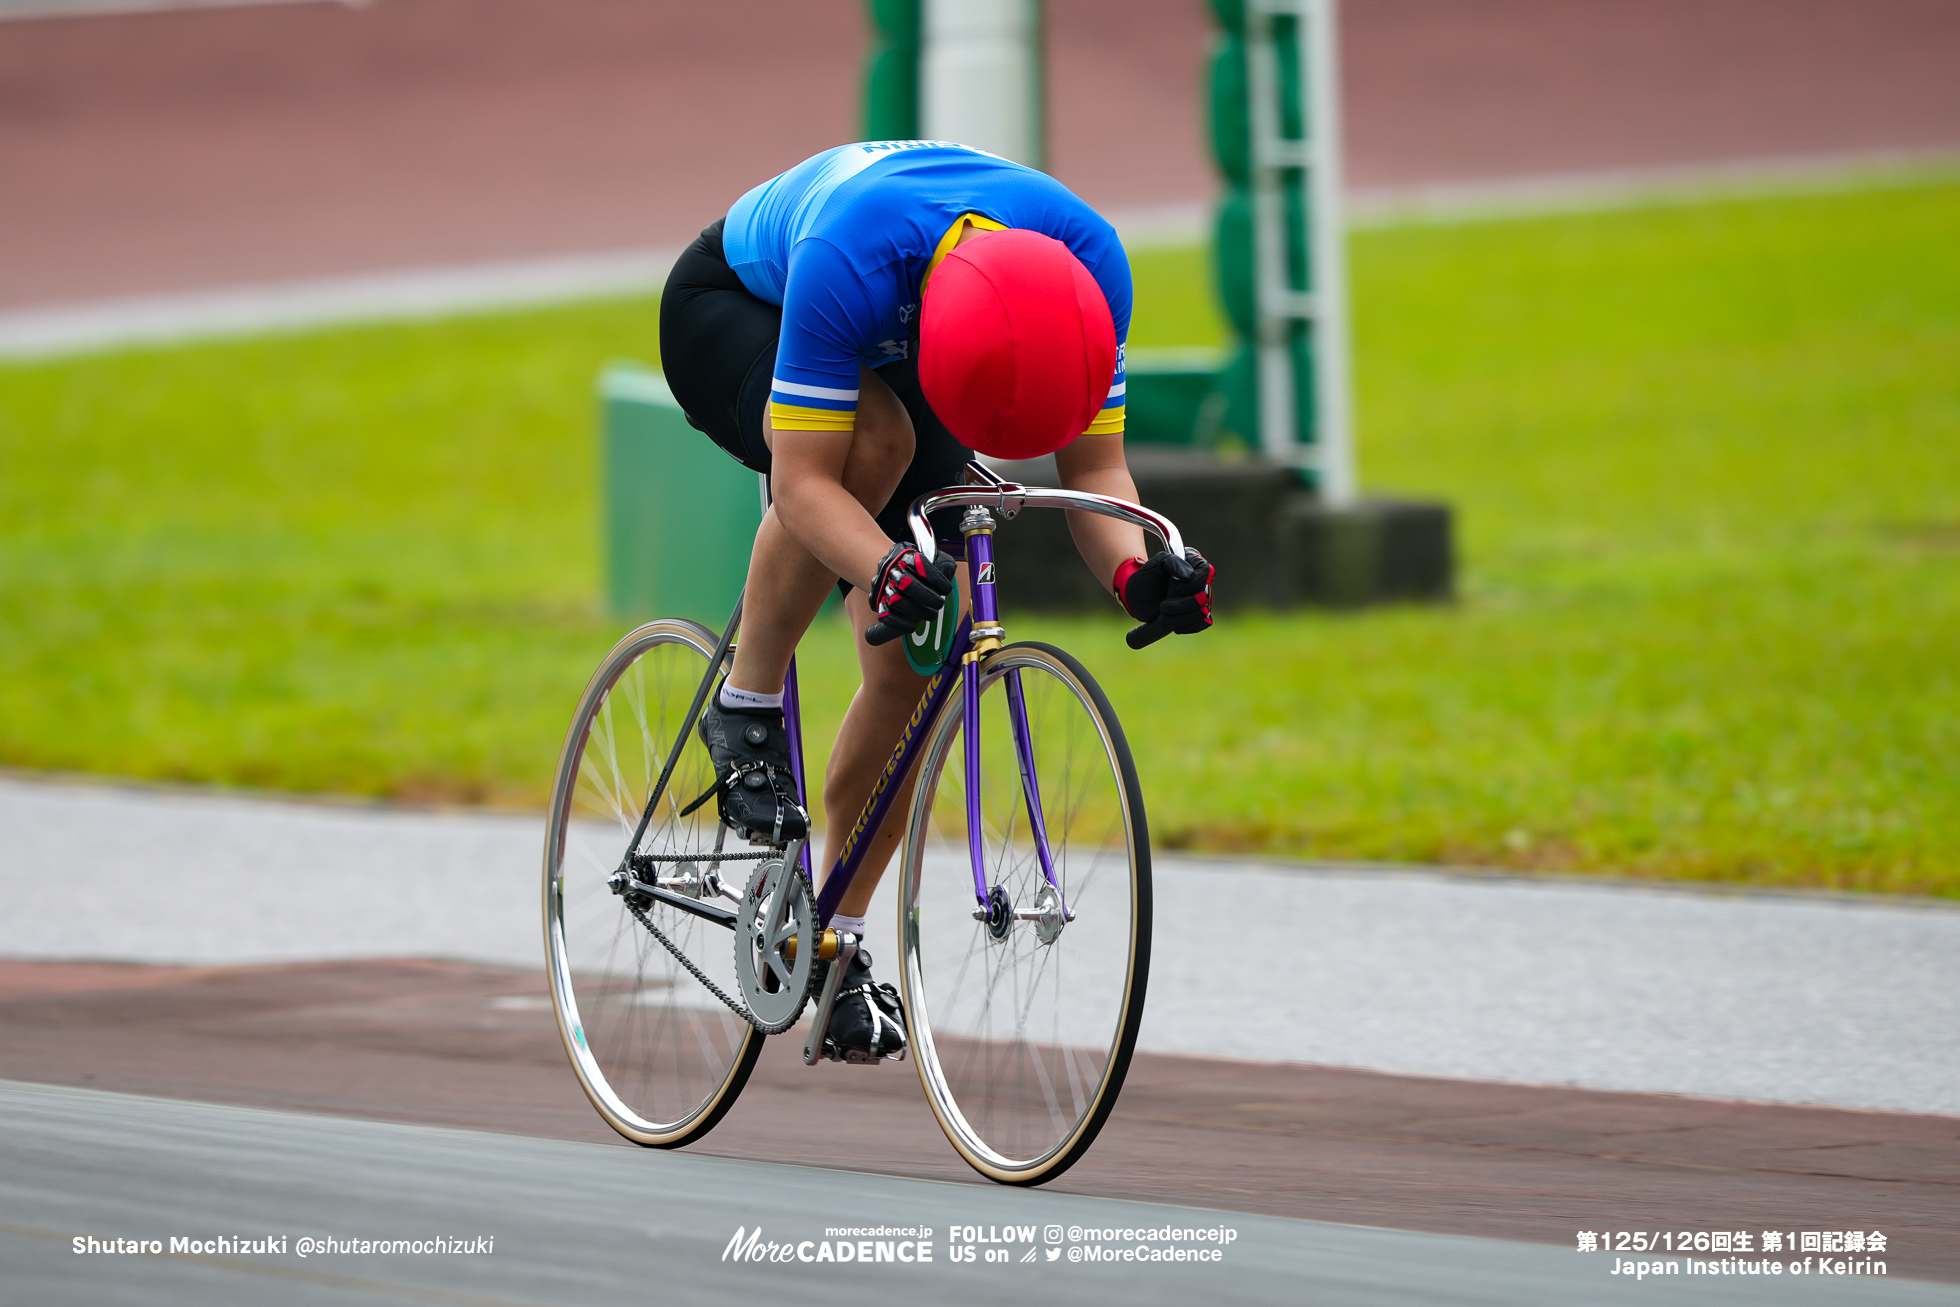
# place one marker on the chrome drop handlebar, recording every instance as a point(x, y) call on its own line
point(1008, 498)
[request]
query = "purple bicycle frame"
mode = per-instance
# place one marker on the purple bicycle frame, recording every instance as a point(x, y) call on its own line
point(980, 565)
point(793, 728)
point(884, 793)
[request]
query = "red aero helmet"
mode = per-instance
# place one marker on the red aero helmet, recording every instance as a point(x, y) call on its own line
point(1016, 346)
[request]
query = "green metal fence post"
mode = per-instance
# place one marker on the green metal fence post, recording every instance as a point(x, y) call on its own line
point(1234, 415)
point(891, 71)
point(1279, 256)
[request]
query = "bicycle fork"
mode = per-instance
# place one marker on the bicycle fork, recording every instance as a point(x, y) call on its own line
point(995, 908)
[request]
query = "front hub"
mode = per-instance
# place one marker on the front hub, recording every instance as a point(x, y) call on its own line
point(1000, 912)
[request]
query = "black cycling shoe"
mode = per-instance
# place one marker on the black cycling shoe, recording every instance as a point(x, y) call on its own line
point(755, 787)
point(868, 1022)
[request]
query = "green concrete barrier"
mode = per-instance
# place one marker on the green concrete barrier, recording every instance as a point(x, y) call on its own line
point(680, 515)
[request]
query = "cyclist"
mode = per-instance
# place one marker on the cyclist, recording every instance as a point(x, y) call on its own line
point(853, 328)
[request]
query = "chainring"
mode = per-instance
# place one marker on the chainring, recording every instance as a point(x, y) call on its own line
point(777, 908)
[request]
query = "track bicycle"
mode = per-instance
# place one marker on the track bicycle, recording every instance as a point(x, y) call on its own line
point(1024, 879)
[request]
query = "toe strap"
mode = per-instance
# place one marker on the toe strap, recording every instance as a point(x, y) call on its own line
point(880, 1001)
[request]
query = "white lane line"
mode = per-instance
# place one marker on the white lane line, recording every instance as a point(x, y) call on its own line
point(54, 330)
point(22, 9)
point(1551, 194)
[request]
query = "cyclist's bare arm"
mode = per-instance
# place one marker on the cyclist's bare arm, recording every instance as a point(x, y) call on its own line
point(819, 480)
point(1094, 462)
point(826, 484)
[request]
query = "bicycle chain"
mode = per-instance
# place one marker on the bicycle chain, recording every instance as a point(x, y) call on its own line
point(640, 915)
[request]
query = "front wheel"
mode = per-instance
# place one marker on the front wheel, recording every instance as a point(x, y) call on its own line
point(1023, 1022)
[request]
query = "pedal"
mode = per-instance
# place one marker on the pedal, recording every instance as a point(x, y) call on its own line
point(768, 839)
point(813, 1047)
point(857, 1056)
point(775, 839)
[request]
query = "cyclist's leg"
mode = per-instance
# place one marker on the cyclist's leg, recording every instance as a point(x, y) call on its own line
point(867, 1022)
point(882, 706)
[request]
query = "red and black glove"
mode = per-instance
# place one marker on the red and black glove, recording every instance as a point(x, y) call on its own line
point(909, 591)
point(1167, 594)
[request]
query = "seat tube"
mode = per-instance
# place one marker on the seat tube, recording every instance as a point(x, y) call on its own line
point(977, 525)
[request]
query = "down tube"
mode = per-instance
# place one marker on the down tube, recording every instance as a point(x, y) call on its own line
point(884, 793)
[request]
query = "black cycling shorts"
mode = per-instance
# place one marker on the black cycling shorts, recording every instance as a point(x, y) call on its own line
point(718, 350)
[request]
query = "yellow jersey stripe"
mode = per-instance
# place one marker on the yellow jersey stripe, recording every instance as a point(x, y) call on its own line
point(791, 417)
point(1107, 422)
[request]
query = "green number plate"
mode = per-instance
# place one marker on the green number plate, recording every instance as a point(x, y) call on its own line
point(928, 647)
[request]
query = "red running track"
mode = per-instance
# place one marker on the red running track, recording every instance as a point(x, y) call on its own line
point(184, 149)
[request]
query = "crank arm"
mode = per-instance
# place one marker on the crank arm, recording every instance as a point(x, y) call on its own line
point(847, 947)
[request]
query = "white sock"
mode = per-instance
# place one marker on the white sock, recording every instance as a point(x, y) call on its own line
point(844, 925)
point(730, 697)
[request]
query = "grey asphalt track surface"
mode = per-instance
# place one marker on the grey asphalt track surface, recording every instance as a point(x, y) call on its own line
point(1790, 999)
point(578, 1223)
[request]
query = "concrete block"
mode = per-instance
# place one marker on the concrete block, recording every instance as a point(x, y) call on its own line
point(1274, 544)
point(1373, 551)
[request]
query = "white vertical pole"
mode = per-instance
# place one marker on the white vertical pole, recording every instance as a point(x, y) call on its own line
point(979, 76)
point(1327, 252)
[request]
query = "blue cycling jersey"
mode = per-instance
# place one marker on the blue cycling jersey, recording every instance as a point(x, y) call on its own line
point(843, 240)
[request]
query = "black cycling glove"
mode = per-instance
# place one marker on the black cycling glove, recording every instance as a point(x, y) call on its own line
point(1167, 594)
point(908, 592)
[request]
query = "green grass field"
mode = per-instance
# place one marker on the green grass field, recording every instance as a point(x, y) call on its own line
point(1706, 460)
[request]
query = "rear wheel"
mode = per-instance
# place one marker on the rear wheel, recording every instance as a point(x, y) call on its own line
point(1023, 1023)
point(659, 1054)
